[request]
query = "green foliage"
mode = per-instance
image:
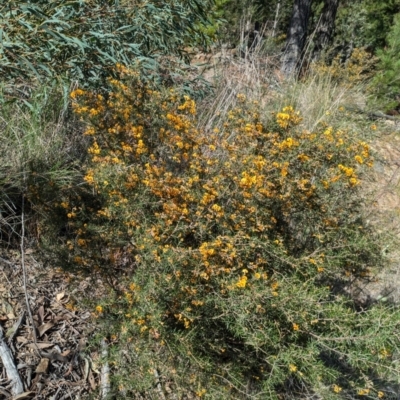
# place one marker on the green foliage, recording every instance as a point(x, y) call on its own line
point(231, 248)
point(351, 27)
point(240, 17)
point(380, 19)
point(363, 24)
point(83, 40)
point(215, 18)
point(386, 83)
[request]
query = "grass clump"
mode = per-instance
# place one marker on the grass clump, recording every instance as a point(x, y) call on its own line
point(228, 248)
point(40, 142)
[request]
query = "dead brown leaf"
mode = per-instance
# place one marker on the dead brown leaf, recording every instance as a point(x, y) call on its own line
point(55, 356)
point(92, 380)
point(40, 314)
point(66, 353)
point(59, 296)
point(43, 366)
point(40, 345)
point(44, 328)
point(25, 395)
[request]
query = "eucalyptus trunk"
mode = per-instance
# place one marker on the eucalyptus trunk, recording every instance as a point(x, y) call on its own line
point(326, 27)
point(296, 37)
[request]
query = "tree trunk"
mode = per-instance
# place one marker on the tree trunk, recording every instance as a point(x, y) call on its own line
point(326, 27)
point(296, 37)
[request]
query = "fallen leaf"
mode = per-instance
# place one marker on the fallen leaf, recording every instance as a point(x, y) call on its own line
point(22, 339)
point(25, 395)
point(66, 353)
point(6, 306)
point(55, 356)
point(82, 343)
point(11, 332)
point(92, 380)
point(6, 394)
point(168, 388)
point(59, 296)
point(44, 328)
point(40, 314)
point(86, 368)
point(11, 316)
point(43, 366)
point(86, 315)
point(40, 345)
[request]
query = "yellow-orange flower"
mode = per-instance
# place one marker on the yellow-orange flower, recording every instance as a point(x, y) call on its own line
point(336, 388)
point(242, 282)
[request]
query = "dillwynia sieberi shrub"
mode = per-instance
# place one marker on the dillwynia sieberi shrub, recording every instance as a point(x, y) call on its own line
point(229, 247)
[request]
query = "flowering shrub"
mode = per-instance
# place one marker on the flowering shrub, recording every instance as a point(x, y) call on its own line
point(357, 69)
point(230, 246)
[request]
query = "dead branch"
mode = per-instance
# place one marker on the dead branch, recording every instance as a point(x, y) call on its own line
point(158, 383)
point(11, 369)
point(105, 371)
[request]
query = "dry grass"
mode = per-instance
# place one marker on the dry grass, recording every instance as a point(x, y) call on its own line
point(259, 78)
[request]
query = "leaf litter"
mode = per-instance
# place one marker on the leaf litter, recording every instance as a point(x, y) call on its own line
point(59, 364)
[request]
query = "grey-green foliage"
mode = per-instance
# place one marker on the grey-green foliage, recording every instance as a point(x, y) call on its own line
point(387, 80)
point(83, 40)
